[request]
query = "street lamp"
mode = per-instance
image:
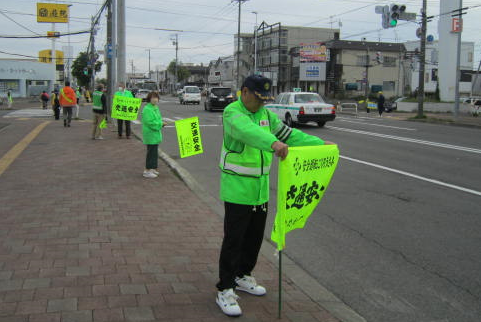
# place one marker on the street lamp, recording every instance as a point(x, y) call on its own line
point(255, 44)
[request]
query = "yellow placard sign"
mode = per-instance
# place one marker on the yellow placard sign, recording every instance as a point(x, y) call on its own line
point(303, 178)
point(125, 108)
point(188, 136)
point(45, 56)
point(52, 12)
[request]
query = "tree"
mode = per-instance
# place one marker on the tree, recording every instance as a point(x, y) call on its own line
point(182, 72)
point(78, 67)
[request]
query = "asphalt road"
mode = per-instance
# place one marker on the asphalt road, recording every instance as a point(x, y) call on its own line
point(395, 246)
point(397, 234)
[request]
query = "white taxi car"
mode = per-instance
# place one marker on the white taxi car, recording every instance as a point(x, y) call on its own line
point(302, 107)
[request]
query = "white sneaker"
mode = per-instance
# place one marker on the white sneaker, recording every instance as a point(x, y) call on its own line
point(149, 174)
point(155, 172)
point(248, 284)
point(99, 138)
point(227, 301)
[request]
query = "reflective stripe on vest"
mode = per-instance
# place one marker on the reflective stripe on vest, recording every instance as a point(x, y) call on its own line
point(239, 169)
point(97, 101)
point(65, 96)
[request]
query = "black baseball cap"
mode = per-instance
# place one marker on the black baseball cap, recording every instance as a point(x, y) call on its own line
point(260, 86)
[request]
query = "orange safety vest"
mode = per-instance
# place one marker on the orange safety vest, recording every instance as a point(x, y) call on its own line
point(67, 97)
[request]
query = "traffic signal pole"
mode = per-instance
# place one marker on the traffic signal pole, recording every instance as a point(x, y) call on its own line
point(422, 61)
point(366, 90)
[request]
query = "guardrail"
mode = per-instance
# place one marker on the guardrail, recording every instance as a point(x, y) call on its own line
point(348, 106)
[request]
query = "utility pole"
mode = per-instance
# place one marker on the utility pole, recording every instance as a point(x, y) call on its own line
point(422, 60)
point(458, 62)
point(54, 62)
point(366, 90)
point(121, 63)
point(149, 62)
point(92, 55)
point(238, 43)
point(255, 44)
point(108, 55)
point(176, 43)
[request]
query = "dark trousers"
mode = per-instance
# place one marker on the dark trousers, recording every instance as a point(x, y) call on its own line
point(243, 235)
point(151, 161)
point(120, 125)
point(380, 109)
point(67, 114)
point(56, 112)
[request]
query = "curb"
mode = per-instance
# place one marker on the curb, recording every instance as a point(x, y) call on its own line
point(306, 283)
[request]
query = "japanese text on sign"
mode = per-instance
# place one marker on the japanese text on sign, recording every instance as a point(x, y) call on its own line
point(125, 108)
point(52, 12)
point(303, 178)
point(188, 136)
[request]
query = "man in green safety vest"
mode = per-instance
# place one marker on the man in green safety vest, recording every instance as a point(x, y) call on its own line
point(123, 92)
point(252, 134)
point(99, 107)
point(9, 99)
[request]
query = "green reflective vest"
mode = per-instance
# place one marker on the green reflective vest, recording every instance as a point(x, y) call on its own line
point(97, 101)
point(246, 154)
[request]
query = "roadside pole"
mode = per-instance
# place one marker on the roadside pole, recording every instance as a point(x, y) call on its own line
point(458, 63)
point(121, 63)
point(54, 62)
point(422, 62)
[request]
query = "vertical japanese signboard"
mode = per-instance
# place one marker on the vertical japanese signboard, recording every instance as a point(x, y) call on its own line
point(303, 178)
point(52, 12)
point(188, 136)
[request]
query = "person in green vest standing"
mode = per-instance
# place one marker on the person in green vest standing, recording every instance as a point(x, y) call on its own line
point(252, 135)
point(123, 92)
point(151, 134)
point(99, 108)
point(9, 98)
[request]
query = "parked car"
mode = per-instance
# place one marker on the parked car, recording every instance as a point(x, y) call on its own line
point(218, 98)
point(142, 93)
point(302, 107)
point(393, 105)
point(190, 94)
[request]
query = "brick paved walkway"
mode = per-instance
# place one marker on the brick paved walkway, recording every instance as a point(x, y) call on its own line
point(84, 237)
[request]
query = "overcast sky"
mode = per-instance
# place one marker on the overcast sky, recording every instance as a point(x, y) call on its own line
point(209, 25)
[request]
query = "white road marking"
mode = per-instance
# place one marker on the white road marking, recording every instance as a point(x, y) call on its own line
point(136, 122)
point(400, 138)
point(30, 112)
point(168, 120)
point(380, 125)
point(201, 125)
point(440, 183)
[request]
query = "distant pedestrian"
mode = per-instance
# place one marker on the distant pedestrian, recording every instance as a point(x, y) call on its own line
point(9, 98)
point(380, 104)
point(87, 96)
point(44, 98)
point(151, 133)
point(68, 101)
point(78, 93)
point(123, 92)
point(55, 104)
point(99, 107)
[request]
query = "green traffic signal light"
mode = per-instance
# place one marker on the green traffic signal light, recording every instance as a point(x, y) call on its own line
point(393, 23)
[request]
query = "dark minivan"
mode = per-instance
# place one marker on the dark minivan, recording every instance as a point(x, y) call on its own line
point(218, 98)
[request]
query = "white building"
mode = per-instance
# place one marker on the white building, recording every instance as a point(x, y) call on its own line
point(434, 69)
point(24, 78)
point(221, 72)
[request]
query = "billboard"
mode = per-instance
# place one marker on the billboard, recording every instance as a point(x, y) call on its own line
point(312, 71)
point(314, 52)
point(52, 12)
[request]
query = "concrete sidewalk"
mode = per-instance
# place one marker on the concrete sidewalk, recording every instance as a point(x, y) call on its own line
point(86, 238)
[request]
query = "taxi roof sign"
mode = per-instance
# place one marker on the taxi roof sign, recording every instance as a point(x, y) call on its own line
point(297, 89)
point(52, 12)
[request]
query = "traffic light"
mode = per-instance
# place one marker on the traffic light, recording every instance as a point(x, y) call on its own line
point(379, 57)
point(395, 13)
point(86, 71)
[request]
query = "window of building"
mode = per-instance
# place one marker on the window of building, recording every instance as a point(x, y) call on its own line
point(470, 57)
point(434, 75)
point(389, 86)
point(389, 61)
point(362, 60)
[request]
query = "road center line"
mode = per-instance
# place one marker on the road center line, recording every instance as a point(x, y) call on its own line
point(14, 152)
point(400, 138)
point(380, 125)
point(440, 183)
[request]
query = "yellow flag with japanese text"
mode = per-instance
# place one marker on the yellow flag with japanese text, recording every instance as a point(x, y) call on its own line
point(303, 178)
point(188, 136)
